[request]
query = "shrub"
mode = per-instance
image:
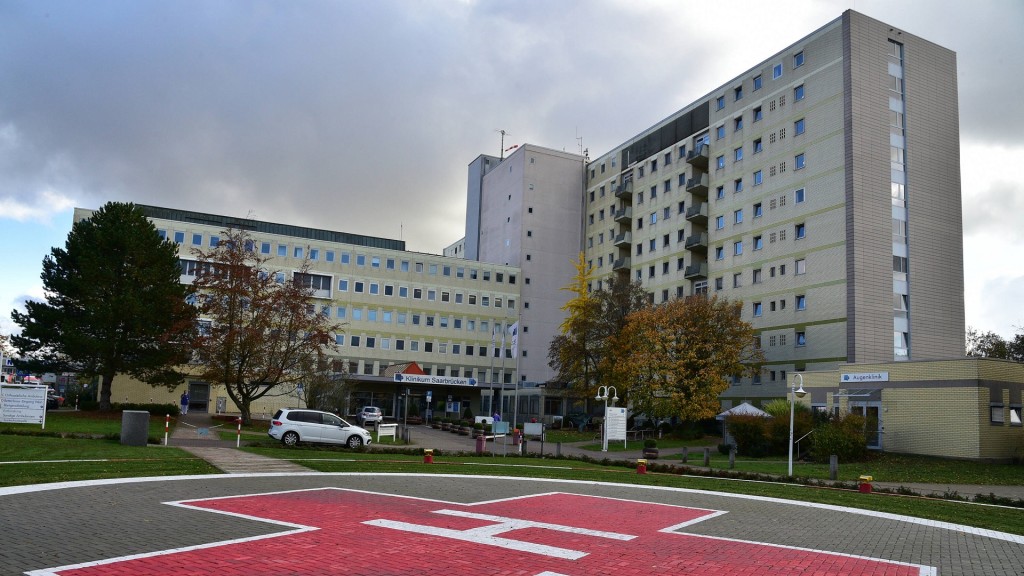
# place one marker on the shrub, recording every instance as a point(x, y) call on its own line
point(843, 436)
point(724, 449)
point(467, 414)
point(750, 434)
point(650, 443)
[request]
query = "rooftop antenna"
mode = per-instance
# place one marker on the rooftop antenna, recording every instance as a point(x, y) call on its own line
point(579, 140)
point(502, 152)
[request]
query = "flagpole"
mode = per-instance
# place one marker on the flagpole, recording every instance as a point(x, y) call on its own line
point(515, 374)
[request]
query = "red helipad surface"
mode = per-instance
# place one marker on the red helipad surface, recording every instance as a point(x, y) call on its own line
point(344, 532)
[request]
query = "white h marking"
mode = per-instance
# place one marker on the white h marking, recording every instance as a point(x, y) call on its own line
point(488, 535)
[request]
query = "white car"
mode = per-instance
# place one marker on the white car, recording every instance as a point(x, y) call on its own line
point(291, 426)
point(370, 415)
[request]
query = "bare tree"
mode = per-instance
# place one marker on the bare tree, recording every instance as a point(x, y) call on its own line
point(260, 329)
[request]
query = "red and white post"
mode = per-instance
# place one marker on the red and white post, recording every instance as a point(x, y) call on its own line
point(167, 427)
point(238, 440)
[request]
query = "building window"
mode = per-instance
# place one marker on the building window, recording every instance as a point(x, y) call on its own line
point(757, 309)
point(737, 280)
point(758, 242)
point(737, 248)
point(799, 195)
point(798, 59)
point(801, 338)
point(757, 146)
point(720, 102)
point(798, 93)
point(801, 266)
point(776, 71)
point(737, 216)
point(996, 414)
point(755, 277)
point(798, 126)
point(719, 253)
point(799, 161)
point(758, 178)
point(737, 93)
point(800, 230)
point(720, 132)
point(737, 154)
point(801, 302)
point(758, 211)
point(757, 114)
point(719, 222)
point(757, 82)
point(737, 124)
point(737, 185)
point(720, 192)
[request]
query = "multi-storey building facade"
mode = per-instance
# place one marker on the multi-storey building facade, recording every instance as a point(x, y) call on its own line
point(395, 306)
point(821, 188)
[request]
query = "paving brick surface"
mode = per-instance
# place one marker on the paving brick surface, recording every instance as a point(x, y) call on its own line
point(71, 526)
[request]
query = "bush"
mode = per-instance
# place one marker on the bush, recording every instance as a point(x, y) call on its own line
point(843, 436)
point(724, 449)
point(467, 414)
point(750, 434)
point(650, 443)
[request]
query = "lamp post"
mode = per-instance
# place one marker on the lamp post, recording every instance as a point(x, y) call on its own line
point(602, 394)
point(797, 393)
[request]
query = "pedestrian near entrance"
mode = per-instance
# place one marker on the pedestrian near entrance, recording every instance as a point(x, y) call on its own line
point(497, 417)
point(184, 403)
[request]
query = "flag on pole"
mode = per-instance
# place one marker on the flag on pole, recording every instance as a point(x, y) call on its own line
point(514, 331)
point(502, 353)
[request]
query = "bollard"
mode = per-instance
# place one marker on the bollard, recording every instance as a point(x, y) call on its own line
point(238, 440)
point(641, 466)
point(865, 484)
point(732, 457)
point(558, 449)
point(167, 425)
point(833, 467)
point(481, 443)
point(686, 454)
point(428, 456)
point(707, 457)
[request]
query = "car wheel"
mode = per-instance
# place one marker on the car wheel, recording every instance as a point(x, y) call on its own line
point(290, 438)
point(354, 441)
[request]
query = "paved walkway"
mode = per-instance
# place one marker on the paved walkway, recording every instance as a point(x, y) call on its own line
point(197, 434)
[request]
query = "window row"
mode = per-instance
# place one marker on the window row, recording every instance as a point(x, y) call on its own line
point(756, 275)
point(757, 308)
point(417, 293)
point(413, 345)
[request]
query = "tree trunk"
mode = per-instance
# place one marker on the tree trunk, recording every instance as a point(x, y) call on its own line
point(104, 396)
point(246, 412)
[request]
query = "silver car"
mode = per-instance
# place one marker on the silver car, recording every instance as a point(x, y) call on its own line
point(291, 426)
point(370, 415)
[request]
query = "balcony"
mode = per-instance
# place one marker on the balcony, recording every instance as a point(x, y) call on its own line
point(694, 271)
point(623, 239)
point(698, 185)
point(624, 191)
point(699, 157)
point(621, 264)
point(698, 213)
point(697, 242)
point(624, 214)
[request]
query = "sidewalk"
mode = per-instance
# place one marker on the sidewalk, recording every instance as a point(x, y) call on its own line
point(197, 434)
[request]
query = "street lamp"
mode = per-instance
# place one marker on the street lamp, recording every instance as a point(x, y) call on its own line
point(602, 394)
point(797, 393)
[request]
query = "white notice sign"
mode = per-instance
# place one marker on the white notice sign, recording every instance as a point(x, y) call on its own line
point(615, 421)
point(23, 404)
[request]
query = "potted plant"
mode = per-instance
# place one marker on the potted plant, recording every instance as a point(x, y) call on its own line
point(465, 429)
point(444, 423)
point(478, 429)
point(650, 448)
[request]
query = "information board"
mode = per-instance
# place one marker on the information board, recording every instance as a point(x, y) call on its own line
point(23, 404)
point(615, 420)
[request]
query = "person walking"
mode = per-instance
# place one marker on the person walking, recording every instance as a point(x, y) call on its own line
point(184, 402)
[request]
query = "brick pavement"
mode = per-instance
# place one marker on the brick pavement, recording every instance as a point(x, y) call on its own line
point(127, 517)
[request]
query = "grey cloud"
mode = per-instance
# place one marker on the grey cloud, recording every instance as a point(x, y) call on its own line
point(997, 209)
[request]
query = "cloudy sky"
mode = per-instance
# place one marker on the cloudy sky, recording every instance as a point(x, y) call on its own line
point(362, 116)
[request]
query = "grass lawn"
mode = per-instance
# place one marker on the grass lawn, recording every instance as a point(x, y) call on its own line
point(84, 423)
point(37, 460)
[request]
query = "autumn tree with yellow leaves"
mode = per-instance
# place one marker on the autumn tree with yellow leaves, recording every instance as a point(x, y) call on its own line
point(676, 358)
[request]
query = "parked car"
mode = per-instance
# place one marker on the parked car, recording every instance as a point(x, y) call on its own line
point(53, 401)
point(292, 426)
point(370, 415)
